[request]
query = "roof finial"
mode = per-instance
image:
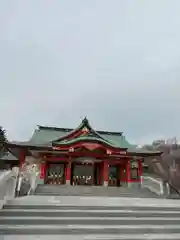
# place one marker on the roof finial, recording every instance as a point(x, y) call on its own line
point(85, 120)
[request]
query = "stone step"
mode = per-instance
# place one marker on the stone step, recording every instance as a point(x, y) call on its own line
point(89, 229)
point(88, 188)
point(70, 208)
point(96, 237)
point(94, 201)
point(46, 190)
point(85, 221)
point(81, 214)
point(89, 213)
point(118, 193)
point(63, 194)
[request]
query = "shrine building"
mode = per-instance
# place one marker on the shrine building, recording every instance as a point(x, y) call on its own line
point(82, 156)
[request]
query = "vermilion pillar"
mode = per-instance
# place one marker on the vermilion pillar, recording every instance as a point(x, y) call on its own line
point(43, 170)
point(128, 171)
point(105, 173)
point(68, 173)
point(22, 158)
point(122, 171)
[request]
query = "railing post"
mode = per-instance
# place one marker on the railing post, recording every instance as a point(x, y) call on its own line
point(105, 173)
point(128, 172)
point(141, 181)
point(168, 189)
point(161, 188)
point(20, 178)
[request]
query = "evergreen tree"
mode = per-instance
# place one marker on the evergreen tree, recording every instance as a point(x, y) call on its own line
point(3, 140)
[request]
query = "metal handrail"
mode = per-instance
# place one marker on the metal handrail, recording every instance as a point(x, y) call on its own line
point(177, 191)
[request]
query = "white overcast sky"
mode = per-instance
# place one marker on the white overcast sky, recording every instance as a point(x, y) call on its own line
point(115, 61)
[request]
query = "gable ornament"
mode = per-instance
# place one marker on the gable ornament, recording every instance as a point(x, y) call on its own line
point(85, 130)
point(71, 149)
point(109, 152)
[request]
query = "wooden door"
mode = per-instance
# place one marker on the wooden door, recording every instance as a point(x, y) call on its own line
point(56, 174)
point(114, 175)
point(83, 174)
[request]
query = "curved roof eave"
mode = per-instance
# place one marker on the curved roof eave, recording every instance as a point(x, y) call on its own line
point(137, 152)
point(87, 139)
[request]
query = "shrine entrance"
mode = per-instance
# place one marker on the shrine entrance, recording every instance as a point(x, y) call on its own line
point(55, 173)
point(114, 175)
point(82, 174)
point(85, 173)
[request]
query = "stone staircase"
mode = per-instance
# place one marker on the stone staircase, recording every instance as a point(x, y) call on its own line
point(58, 217)
point(63, 190)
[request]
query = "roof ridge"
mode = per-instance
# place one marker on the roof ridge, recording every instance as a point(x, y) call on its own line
point(54, 128)
point(71, 129)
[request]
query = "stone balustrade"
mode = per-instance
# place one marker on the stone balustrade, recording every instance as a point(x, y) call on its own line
point(8, 182)
point(28, 179)
point(13, 180)
point(153, 184)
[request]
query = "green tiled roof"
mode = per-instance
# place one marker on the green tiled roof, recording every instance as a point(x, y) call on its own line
point(114, 139)
point(43, 136)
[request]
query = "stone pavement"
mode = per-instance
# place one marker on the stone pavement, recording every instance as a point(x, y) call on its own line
point(94, 201)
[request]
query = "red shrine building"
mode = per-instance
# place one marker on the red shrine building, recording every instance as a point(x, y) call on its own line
point(82, 156)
